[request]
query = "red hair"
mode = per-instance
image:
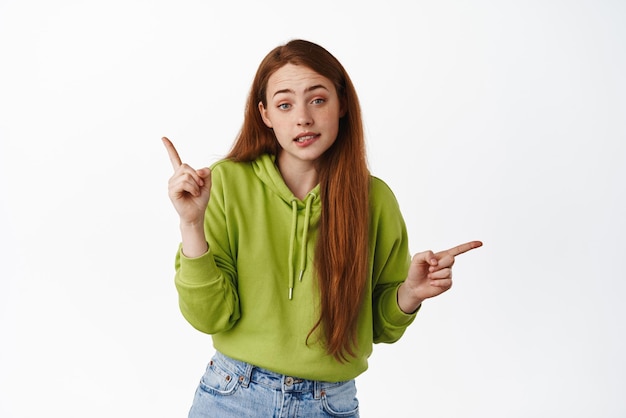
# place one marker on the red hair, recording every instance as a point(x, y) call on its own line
point(341, 256)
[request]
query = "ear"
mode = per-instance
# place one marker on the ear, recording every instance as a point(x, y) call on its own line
point(263, 113)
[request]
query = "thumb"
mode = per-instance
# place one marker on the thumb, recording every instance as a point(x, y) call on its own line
point(205, 172)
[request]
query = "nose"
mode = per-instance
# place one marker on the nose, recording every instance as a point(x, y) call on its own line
point(304, 117)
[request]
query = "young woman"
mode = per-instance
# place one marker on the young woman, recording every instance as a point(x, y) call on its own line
point(299, 260)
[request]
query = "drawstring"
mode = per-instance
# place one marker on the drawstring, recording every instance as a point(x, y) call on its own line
point(305, 232)
point(303, 245)
point(292, 239)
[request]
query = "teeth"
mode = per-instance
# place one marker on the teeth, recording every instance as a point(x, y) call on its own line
point(305, 138)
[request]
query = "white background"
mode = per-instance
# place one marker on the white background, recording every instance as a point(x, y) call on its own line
point(502, 121)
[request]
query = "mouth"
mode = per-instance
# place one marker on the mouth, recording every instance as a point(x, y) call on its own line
point(305, 137)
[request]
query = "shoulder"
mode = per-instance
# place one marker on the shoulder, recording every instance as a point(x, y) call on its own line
point(387, 224)
point(227, 170)
point(384, 205)
point(380, 192)
point(228, 165)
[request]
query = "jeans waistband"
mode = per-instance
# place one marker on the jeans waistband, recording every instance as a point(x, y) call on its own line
point(246, 373)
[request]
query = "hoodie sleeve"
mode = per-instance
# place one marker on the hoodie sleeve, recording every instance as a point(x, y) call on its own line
point(207, 285)
point(390, 260)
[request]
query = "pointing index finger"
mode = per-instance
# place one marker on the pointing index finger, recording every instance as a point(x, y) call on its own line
point(171, 151)
point(463, 248)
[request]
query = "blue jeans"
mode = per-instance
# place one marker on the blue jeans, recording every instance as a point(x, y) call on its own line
point(231, 388)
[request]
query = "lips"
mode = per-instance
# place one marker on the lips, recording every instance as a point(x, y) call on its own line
point(306, 137)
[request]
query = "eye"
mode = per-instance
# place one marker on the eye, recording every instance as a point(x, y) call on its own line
point(284, 106)
point(319, 100)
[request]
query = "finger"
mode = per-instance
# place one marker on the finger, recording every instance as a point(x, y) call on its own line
point(426, 257)
point(444, 261)
point(171, 151)
point(185, 184)
point(443, 274)
point(443, 284)
point(187, 174)
point(204, 173)
point(186, 187)
point(460, 249)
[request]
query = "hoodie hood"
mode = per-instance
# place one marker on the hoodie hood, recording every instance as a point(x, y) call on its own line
point(266, 170)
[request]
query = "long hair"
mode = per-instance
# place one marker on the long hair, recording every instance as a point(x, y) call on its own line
point(341, 255)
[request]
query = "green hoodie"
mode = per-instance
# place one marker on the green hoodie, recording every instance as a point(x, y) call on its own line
point(255, 289)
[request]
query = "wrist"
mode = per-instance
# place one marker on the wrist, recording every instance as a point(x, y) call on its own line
point(192, 225)
point(193, 239)
point(407, 302)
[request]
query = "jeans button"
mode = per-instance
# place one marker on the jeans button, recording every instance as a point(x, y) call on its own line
point(289, 381)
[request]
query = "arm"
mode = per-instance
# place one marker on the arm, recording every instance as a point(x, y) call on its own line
point(390, 259)
point(402, 283)
point(205, 283)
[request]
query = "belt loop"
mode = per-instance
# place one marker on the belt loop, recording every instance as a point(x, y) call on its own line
point(317, 390)
point(247, 375)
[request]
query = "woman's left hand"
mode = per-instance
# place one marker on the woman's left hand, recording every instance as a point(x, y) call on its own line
point(430, 274)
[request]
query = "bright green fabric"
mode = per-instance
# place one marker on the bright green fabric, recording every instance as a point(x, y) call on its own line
point(239, 290)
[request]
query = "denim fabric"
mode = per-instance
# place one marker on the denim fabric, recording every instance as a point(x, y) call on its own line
point(234, 389)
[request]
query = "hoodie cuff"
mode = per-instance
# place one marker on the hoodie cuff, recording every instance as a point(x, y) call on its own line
point(197, 270)
point(393, 314)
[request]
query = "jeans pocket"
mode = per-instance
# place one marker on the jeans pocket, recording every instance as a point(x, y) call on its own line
point(340, 400)
point(218, 381)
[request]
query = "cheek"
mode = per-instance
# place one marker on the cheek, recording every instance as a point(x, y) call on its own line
point(275, 119)
point(332, 115)
point(332, 121)
point(281, 133)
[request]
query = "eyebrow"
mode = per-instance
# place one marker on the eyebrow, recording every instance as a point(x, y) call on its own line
point(308, 89)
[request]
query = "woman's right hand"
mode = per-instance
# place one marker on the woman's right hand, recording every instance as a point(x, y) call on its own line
point(188, 189)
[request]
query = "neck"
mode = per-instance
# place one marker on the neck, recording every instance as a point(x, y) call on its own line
point(299, 178)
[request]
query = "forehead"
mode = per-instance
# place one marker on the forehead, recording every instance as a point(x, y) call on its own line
point(296, 78)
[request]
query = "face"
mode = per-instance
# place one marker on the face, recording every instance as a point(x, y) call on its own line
point(303, 109)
